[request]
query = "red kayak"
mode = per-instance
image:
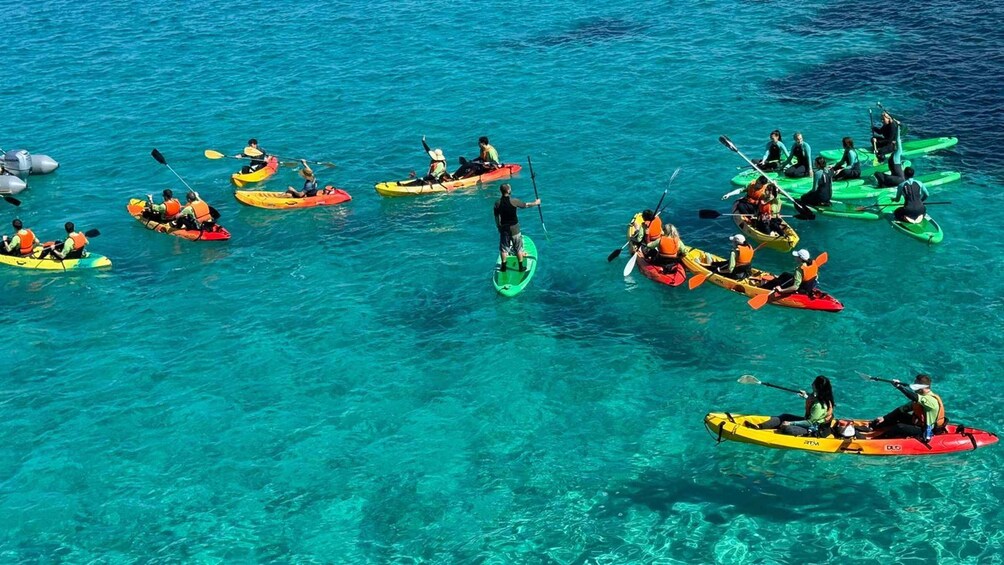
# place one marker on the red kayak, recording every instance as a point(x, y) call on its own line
point(675, 277)
point(215, 233)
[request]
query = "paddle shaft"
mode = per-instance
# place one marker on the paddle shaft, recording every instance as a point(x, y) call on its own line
point(533, 178)
point(901, 204)
point(798, 392)
point(772, 181)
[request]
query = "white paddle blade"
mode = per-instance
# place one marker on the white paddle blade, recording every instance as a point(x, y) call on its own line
point(865, 376)
point(749, 380)
point(630, 265)
point(676, 172)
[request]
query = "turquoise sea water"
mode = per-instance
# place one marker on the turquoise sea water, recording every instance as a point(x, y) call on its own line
point(343, 385)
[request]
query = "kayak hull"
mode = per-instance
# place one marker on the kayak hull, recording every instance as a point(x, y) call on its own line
point(927, 230)
point(282, 201)
point(676, 276)
point(512, 281)
point(840, 209)
point(92, 261)
point(911, 148)
point(698, 261)
point(413, 187)
point(217, 233)
point(859, 191)
point(725, 426)
point(785, 241)
point(271, 166)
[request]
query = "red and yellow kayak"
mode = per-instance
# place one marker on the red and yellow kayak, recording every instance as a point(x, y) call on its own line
point(418, 187)
point(282, 201)
point(698, 261)
point(957, 437)
point(214, 233)
point(271, 166)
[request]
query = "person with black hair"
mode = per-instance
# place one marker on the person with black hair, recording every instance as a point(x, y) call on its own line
point(818, 413)
point(487, 160)
point(507, 222)
point(849, 166)
point(21, 243)
point(914, 194)
point(774, 153)
point(164, 212)
point(799, 161)
point(257, 155)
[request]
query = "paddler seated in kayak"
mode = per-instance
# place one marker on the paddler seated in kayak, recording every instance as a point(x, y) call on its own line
point(507, 222)
point(922, 417)
point(740, 260)
point(437, 165)
point(750, 204)
point(774, 154)
point(309, 183)
point(818, 413)
point(72, 248)
point(256, 154)
point(22, 242)
point(822, 186)
point(886, 136)
point(768, 218)
point(195, 215)
point(164, 212)
point(914, 194)
point(664, 251)
point(849, 166)
point(646, 229)
point(488, 160)
point(802, 281)
point(799, 161)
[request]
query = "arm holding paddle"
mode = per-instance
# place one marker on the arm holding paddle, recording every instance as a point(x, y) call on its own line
point(804, 212)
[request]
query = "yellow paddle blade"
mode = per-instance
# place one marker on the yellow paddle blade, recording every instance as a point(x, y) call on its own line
point(758, 301)
point(210, 154)
point(697, 280)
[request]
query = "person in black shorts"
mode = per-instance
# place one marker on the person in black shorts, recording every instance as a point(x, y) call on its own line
point(507, 222)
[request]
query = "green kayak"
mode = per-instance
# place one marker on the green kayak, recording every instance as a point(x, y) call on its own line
point(512, 281)
point(843, 191)
point(911, 148)
point(926, 230)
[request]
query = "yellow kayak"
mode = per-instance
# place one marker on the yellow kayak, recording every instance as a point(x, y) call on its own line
point(330, 196)
point(92, 261)
point(784, 241)
point(271, 166)
point(417, 187)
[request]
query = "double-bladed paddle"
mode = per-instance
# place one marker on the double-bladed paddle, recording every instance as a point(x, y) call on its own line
point(804, 212)
point(758, 301)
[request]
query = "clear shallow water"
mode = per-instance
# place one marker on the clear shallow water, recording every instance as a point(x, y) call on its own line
point(343, 385)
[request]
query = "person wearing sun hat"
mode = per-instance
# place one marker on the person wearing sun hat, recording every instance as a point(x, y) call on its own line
point(309, 183)
point(802, 280)
point(739, 265)
point(922, 417)
point(437, 164)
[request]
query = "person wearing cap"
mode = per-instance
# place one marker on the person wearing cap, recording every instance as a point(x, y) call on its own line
point(72, 248)
point(822, 186)
point(507, 222)
point(849, 166)
point(22, 242)
point(801, 154)
point(309, 183)
point(256, 154)
point(740, 263)
point(818, 416)
point(665, 250)
point(437, 165)
point(914, 194)
point(773, 155)
point(922, 417)
point(803, 280)
point(164, 212)
point(195, 215)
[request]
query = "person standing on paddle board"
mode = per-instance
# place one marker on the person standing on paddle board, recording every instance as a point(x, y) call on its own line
point(774, 153)
point(507, 222)
point(914, 194)
point(801, 154)
point(255, 153)
point(849, 166)
point(921, 418)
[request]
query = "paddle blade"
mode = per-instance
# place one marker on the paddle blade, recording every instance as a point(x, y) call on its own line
point(865, 376)
point(748, 380)
point(709, 214)
point(614, 255)
point(92, 233)
point(214, 213)
point(673, 178)
point(697, 280)
point(11, 200)
point(630, 265)
point(804, 212)
point(727, 143)
point(160, 158)
point(822, 258)
point(210, 154)
point(758, 301)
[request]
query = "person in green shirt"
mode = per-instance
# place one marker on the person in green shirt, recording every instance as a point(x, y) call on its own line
point(165, 211)
point(818, 413)
point(196, 215)
point(488, 160)
point(922, 417)
point(72, 248)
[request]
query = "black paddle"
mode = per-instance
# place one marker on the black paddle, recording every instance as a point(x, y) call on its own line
point(533, 177)
point(804, 212)
point(160, 159)
point(616, 252)
point(868, 377)
point(751, 380)
point(11, 199)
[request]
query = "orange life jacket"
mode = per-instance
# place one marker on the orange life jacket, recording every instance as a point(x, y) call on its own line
point(766, 208)
point(809, 272)
point(27, 239)
point(669, 246)
point(654, 230)
point(201, 211)
point(79, 241)
point(171, 208)
point(919, 418)
point(754, 192)
point(744, 254)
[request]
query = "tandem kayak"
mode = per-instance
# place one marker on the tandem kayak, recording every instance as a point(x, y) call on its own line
point(676, 275)
point(271, 166)
point(911, 148)
point(215, 233)
point(282, 201)
point(784, 241)
point(417, 187)
point(698, 262)
point(726, 426)
point(50, 263)
point(512, 281)
point(859, 191)
point(926, 230)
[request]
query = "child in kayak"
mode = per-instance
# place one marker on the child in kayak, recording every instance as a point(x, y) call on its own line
point(740, 263)
point(774, 153)
point(849, 166)
point(803, 280)
point(922, 417)
point(822, 186)
point(309, 183)
point(801, 153)
point(256, 154)
point(768, 218)
point(914, 193)
point(818, 413)
point(507, 222)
